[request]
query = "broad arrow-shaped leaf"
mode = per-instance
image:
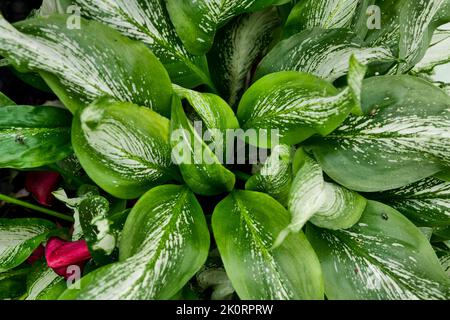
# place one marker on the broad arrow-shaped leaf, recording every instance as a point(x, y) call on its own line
point(19, 238)
point(164, 243)
point(43, 283)
point(197, 21)
point(275, 177)
point(83, 64)
point(426, 203)
point(403, 137)
point(237, 47)
point(123, 148)
point(200, 166)
point(383, 257)
point(148, 21)
point(298, 105)
point(245, 226)
point(325, 14)
point(323, 53)
point(32, 137)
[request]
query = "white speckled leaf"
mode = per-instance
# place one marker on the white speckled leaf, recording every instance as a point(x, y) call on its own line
point(200, 166)
point(81, 65)
point(299, 105)
point(197, 21)
point(236, 49)
point(438, 53)
point(426, 203)
point(43, 283)
point(323, 53)
point(164, 243)
point(123, 148)
point(383, 257)
point(275, 177)
point(148, 21)
point(403, 137)
point(19, 238)
point(325, 14)
point(245, 225)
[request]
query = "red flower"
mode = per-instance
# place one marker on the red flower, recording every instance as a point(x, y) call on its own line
point(36, 255)
point(62, 254)
point(41, 184)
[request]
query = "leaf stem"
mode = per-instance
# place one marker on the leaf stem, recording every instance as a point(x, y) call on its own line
point(24, 204)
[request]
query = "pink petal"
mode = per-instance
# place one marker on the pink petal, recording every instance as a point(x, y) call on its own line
point(41, 184)
point(36, 255)
point(62, 254)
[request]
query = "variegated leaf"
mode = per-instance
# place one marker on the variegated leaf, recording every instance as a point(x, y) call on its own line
point(323, 53)
point(437, 53)
point(50, 7)
point(403, 137)
point(83, 64)
point(245, 225)
point(200, 166)
point(298, 105)
point(275, 177)
point(327, 205)
point(197, 21)
point(32, 137)
point(237, 47)
point(148, 21)
point(123, 148)
point(165, 242)
point(426, 203)
point(325, 14)
point(383, 257)
point(43, 283)
point(19, 238)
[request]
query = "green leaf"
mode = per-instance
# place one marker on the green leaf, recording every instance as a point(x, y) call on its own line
point(197, 21)
point(164, 243)
point(237, 48)
point(402, 138)
point(298, 105)
point(5, 101)
point(32, 137)
point(426, 203)
point(245, 226)
point(50, 7)
point(384, 257)
point(201, 169)
point(81, 65)
point(122, 147)
point(323, 53)
point(43, 283)
point(275, 177)
point(13, 283)
point(19, 238)
point(325, 14)
point(327, 205)
point(148, 21)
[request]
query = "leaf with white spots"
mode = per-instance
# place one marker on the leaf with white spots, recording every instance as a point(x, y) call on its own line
point(43, 283)
point(237, 47)
point(298, 105)
point(275, 177)
point(383, 257)
point(164, 243)
point(323, 53)
point(325, 14)
point(124, 148)
point(197, 21)
point(148, 21)
point(19, 238)
point(245, 225)
point(32, 137)
point(438, 53)
point(426, 203)
point(81, 65)
point(403, 137)
point(200, 166)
